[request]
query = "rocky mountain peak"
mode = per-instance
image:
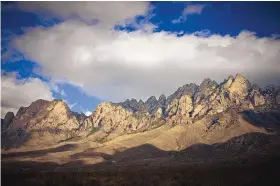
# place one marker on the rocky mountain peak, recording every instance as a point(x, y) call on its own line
point(162, 99)
point(133, 100)
point(151, 104)
point(240, 86)
point(206, 83)
point(51, 120)
point(188, 89)
point(33, 108)
point(141, 102)
point(239, 76)
point(241, 79)
point(227, 82)
point(205, 89)
point(131, 105)
point(187, 104)
point(272, 89)
point(42, 114)
point(272, 95)
point(151, 99)
point(256, 87)
point(59, 106)
point(7, 120)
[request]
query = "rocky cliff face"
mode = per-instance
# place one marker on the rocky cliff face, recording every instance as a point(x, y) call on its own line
point(188, 104)
point(51, 119)
point(7, 121)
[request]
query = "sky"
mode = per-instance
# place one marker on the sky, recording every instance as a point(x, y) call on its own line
point(89, 52)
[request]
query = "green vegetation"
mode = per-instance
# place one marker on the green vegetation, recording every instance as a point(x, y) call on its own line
point(101, 140)
point(93, 130)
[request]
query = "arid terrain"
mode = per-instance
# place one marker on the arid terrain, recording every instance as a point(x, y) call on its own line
point(211, 134)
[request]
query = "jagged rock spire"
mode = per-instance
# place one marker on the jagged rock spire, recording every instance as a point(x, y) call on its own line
point(186, 105)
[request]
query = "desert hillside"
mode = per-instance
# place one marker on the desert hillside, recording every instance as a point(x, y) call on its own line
point(207, 121)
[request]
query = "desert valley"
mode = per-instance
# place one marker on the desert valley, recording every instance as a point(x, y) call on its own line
point(219, 127)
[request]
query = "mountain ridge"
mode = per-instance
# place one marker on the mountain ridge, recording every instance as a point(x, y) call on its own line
point(187, 105)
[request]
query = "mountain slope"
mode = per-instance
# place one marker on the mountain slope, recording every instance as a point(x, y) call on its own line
point(206, 114)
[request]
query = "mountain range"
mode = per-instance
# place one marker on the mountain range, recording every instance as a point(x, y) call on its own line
point(228, 119)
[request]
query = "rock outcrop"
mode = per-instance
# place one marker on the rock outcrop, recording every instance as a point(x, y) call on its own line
point(50, 121)
point(5, 123)
point(187, 105)
point(54, 121)
point(114, 120)
point(271, 94)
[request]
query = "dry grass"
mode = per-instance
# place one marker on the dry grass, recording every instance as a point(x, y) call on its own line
point(231, 174)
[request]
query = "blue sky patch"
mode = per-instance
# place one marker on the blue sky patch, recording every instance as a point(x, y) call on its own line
point(222, 18)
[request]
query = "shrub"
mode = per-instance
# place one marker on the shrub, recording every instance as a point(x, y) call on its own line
point(93, 130)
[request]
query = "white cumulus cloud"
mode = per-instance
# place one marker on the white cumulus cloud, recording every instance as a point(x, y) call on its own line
point(21, 92)
point(107, 14)
point(88, 113)
point(188, 10)
point(115, 65)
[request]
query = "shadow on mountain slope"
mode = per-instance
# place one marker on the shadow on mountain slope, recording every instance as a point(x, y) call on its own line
point(250, 159)
point(37, 153)
point(247, 144)
point(19, 137)
point(250, 144)
point(15, 138)
point(268, 120)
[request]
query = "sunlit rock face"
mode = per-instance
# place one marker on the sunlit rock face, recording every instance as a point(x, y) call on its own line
point(54, 121)
point(44, 114)
point(240, 87)
point(186, 105)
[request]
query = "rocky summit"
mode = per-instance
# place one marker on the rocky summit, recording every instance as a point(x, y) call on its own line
point(187, 105)
point(203, 122)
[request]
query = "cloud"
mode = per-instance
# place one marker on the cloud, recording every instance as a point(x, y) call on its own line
point(203, 33)
point(193, 9)
point(72, 105)
point(115, 65)
point(56, 89)
point(106, 14)
point(88, 113)
point(188, 10)
point(119, 64)
point(21, 92)
point(62, 93)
